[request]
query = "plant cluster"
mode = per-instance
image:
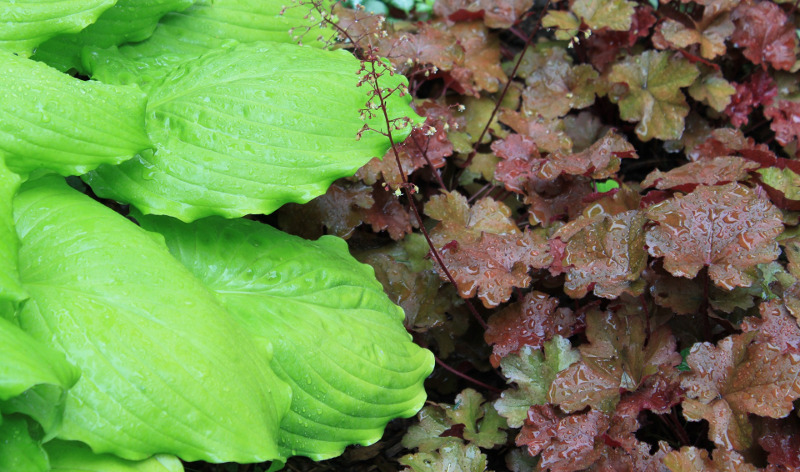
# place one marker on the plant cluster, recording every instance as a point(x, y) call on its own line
point(595, 231)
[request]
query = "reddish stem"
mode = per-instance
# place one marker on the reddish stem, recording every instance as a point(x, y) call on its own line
point(466, 377)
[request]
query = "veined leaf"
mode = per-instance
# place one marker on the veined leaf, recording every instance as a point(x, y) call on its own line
point(164, 368)
point(246, 130)
point(339, 341)
point(27, 23)
point(19, 452)
point(10, 288)
point(186, 35)
point(127, 21)
point(53, 121)
point(69, 456)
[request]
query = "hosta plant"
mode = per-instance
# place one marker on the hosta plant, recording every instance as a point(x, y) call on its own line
point(182, 330)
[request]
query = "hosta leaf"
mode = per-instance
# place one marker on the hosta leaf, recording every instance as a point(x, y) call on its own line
point(126, 21)
point(27, 23)
point(10, 288)
point(53, 121)
point(338, 340)
point(164, 368)
point(33, 377)
point(68, 456)
point(254, 127)
point(19, 452)
point(654, 98)
point(186, 35)
point(728, 228)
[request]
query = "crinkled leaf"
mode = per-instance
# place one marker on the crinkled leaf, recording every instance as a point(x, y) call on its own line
point(775, 326)
point(710, 34)
point(53, 121)
point(553, 85)
point(496, 14)
point(727, 228)
point(476, 113)
point(19, 452)
point(494, 264)
point(781, 439)
point(461, 222)
point(28, 23)
point(548, 135)
point(759, 89)
point(599, 161)
point(603, 46)
point(565, 443)
point(691, 459)
point(482, 425)
point(737, 377)
point(159, 355)
point(68, 456)
point(785, 117)
point(719, 170)
point(184, 36)
point(482, 71)
point(255, 127)
point(126, 21)
point(560, 199)
point(10, 288)
point(597, 14)
point(654, 98)
point(310, 297)
point(520, 157)
point(532, 370)
point(766, 33)
point(338, 212)
point(427, 434)
point(619, 357)
point(529, 322)
point(713, 90)
point(456, 457)
point(606, 256)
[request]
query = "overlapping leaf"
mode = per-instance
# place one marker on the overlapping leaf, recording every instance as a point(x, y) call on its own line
point(239, 125)
point(653, 98)
point(53, 121)
point(28, 23)
point(10, 288)
point(736, 378)
point(728, 229)
point(719, 170)
point(766, 33)
point(338, 340)
point(163, 368)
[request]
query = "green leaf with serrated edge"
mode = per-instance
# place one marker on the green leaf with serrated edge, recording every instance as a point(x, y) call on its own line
point(455, 458)
point(71, 456)
point(713, 90)
point(426, 434)
point(248, 129)
point(206, 26)
point(165, 369)
point(126, 21)
point(482, 424)
point(19, 452)
point(28, 23)
point(533, 372)
point(53, 121)
point(653, 97)
point(10, 288)
point(612, 14)
point(339, 341)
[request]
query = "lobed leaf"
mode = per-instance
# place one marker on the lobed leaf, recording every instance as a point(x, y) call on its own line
point(716, 171)
point(653, 98)
point(727, 228)
point(53, 121)
point(255, 127)
point(159, 355)
point(339, 342)
point(766, 33)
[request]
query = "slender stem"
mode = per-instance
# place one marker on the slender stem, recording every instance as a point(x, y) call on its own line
point(427, 159)
point(466, 377)
point(511, 76)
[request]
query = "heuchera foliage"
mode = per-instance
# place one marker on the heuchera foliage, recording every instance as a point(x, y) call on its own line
point(607, 192)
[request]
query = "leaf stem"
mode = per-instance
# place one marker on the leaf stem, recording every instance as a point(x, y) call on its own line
point(467, 377)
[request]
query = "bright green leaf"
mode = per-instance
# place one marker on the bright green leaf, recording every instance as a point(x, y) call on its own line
point(27, 23)
point(10, 288)
point(206, 26)
point(19, 452)
point(482, 424)
point(426, 435)
point(164, 368)
point(653, 97)
point(127, 21)
point(254, 127)
point(455, 458)
point(533, 371)
point(339, 341)
point(70, 456)
point(53, 121)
